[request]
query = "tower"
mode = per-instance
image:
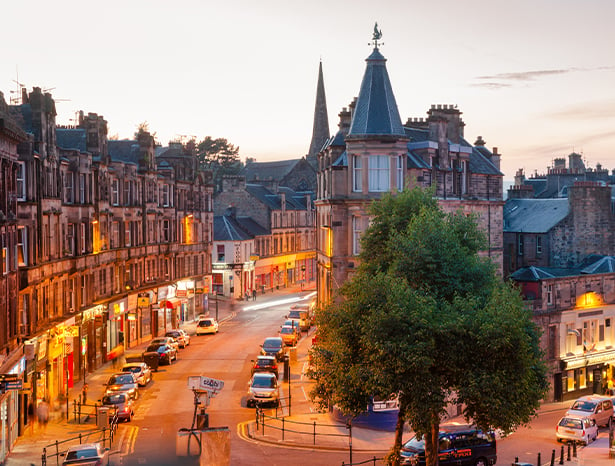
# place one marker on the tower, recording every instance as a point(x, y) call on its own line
point(320, 132)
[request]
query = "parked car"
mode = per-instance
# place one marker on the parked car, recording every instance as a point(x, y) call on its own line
point(140, 370)
point(166, 353)
point(123, 382)
point(576, 429)
point(263, 389)
point(273, 346)
point(265, 364)
point(459, 445)
point(121, 403)
point(302, 317)
point(182, 338)
point(289, 335)
point(167, 340)
point(86, 454)
point(207, 325)
point(598, 408)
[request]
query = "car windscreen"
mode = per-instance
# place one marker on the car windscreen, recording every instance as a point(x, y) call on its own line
point(114, 399)
point(75, 455)
point(120, 379)
point(263, 382)
point(272, 344)
point(583, 406)
point(133, 369)
point(415, 443)
point(571, 423)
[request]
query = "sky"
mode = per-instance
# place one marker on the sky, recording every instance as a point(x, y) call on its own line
point(534, 78)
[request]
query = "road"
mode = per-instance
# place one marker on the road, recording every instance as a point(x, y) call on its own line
point(167, 404)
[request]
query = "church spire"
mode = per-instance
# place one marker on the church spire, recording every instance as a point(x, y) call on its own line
point(320, 132)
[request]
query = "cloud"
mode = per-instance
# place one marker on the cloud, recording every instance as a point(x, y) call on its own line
point(503, 80)
point(597, 110)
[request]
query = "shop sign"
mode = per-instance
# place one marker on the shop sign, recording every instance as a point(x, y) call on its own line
point(181, 293)
point(143, 301)
point(117, 308)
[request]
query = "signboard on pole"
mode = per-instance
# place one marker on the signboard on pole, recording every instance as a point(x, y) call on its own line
point(202, 383)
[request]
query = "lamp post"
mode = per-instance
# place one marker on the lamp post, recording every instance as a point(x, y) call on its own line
point(216, 295)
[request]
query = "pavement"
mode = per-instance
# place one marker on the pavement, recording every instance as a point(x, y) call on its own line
point(304, 427)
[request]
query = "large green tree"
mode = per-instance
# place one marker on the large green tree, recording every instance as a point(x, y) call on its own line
point(220, 156)
point(426, 318)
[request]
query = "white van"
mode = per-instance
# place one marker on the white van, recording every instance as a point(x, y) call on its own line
point(598, 408)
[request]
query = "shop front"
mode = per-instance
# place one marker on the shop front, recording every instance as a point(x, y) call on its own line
point(116, 329)
point(583, 375)
point(10, 406)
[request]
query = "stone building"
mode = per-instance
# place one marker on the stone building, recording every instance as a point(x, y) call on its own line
point(282, 223)
point(115, 244)
point(559, 232)
point(374, 153)
point(575, 308)
point(558, 178)
point(12, 256)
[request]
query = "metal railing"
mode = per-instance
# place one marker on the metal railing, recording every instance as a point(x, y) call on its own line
point(104, 435)
point(285, 426)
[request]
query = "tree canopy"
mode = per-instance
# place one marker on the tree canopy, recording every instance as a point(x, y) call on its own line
point(426, 318)
point(220, 156)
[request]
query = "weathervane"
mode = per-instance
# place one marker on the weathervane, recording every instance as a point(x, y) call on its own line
point(376, 36)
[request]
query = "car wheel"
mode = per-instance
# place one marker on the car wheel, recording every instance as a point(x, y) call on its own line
point(481, 462)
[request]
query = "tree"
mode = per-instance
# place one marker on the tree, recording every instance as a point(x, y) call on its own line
point(426, 318)
point(219, 156)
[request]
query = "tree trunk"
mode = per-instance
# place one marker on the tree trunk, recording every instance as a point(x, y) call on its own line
point(399, 432)
point(432, 442)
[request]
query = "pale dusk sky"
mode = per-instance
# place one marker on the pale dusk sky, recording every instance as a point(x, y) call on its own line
point(534, 78)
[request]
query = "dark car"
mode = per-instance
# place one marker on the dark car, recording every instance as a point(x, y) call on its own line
point(459, 445)
point(122, 403)
point(265, 364)
point(273, 346)
point(166, 353)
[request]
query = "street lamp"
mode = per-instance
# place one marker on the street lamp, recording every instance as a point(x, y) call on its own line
point(216, 296)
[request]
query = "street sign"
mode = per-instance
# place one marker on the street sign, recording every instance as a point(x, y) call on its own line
point(200, 382)
point(13, 384)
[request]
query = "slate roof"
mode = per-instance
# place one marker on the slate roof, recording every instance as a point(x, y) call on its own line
point(253, 227)
point(264, 171)
point(226, 228)
point(534, 215)
point(598, 264)
point(535, 274)
point(71, 139)
point(124, 151)
point(264, 195)
point(376, 112)
point(480, 163)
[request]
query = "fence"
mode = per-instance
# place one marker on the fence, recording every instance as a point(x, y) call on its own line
point(103, 435)
point(311, 429)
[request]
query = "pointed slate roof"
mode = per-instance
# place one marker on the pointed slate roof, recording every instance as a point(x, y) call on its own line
point(376, 112)
point(320, 132)
point(534, 215)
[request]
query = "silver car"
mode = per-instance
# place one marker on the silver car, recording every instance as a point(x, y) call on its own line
point(263, 389)
point(140, 370)
point(576, 429)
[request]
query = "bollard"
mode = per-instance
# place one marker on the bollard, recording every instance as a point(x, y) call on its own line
point(552, 458)
point(561, 456)
point(538, 462)
point(568, 458)
point(574, 449)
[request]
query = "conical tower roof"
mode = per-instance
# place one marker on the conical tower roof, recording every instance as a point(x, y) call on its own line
point(376, 112)
point(320, 132)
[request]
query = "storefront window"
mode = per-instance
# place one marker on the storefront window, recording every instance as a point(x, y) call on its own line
point(582, 377)
point(570, 378)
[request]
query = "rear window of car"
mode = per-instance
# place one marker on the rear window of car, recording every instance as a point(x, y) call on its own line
point(133, 369)
point(114, 399)
point(205, 323)
point(570, 423)
point(294, 315)
point(74, 455)
point(173, 334)
point(121, 379)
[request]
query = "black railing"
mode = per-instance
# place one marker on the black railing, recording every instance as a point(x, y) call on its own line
point(369, 461)
point(105, 435)
point(284, 426)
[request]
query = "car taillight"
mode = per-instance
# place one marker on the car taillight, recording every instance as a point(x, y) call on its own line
point(98, 463)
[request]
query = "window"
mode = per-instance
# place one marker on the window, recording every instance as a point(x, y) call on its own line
point(22, 246)
point(549, 295)
point(69, 195)
point(379, 177)
point(164, 198)
point(115, 191)
point(83, 237)
point(356, 235)
point(70, 239)
point(127, 237)
point(21, 181)
point(357, 173)
point(127, 192)
point(82, 188)
point(520, 245)
point(538, 245)
point(399, 172)
point(220, 250)
point(166, 231)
